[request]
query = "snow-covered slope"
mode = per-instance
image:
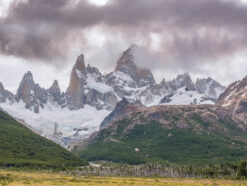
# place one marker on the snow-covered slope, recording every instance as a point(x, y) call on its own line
point(185, 97)
point(61, 125)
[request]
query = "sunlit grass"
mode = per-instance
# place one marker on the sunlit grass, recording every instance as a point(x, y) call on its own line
point(43, 178)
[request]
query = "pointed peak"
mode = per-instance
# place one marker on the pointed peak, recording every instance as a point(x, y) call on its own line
point(186, 74)
point(55, 84)
point(80, 63)
point(28, 75)
point(1, 86)
point(55, 90)
point(163, 80)
point(132, 48)
point(126, 61)
point(184, 77)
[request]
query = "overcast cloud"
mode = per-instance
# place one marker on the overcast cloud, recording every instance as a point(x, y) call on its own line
point(172, 35)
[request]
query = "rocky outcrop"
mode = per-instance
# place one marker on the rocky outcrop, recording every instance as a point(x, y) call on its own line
point(5, 95)
point(182, 80)
point(75, 91)
point(31, 94)
point(122, 108)
point(209, 87)
point(127, 65)
point(97, 92)
point(234, 98)
point(55, 91)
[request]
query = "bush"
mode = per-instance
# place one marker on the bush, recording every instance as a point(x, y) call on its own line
point(242, 169)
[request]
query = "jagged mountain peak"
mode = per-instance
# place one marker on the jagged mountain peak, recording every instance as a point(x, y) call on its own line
point(28, 76)
point(126, 61)
point(126, 64)
point(209, 87)
point(234, 98)
point(27, 84)
point(182, 80)
point(1, 86)
point(183, 75)
point(75, 90)
point(2, 93)
point(55, 91)
point(5, 94)
point(31, 94)
point(55, 84)
point(234, 93)
point(80, 63)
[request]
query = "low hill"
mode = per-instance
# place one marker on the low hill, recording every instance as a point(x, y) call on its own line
point(20, 147)
point(180, 134)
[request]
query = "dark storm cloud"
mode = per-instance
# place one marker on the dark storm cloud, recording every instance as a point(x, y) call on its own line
point(197, 29)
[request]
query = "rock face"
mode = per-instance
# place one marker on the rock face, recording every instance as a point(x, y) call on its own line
point(128, 80)
point(209, 87)
point(75, 90)
point(98, 93)
point(234, 98)
point(183, 80)
point(5, 95)
point(126, 65)
point(122, 108)
point(31, 94)
point(55, 91)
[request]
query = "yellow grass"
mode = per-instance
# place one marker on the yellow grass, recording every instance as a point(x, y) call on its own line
point(24, 178)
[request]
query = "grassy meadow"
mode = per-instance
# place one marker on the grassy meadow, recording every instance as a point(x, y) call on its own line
point(16, 178)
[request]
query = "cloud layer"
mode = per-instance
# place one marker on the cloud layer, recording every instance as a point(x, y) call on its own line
point(187, 33)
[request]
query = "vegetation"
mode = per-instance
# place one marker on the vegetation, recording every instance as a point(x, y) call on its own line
point(20, 147)
point(168, 170)
point(152, 142)
point(44, 178)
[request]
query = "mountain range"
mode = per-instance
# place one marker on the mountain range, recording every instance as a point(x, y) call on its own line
point(182, 134)
point(68, 117)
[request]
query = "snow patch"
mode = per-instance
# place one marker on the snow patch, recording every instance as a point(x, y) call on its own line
point(99, 86)
point(71, 125)
point(183, 97)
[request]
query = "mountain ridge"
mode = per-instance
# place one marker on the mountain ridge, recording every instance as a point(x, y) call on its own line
point(89, 90)
point(198, 134)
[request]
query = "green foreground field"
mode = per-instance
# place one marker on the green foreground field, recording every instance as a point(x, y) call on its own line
point(41, 178)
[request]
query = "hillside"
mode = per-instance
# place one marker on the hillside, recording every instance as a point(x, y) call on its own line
point(20, 147)
point(180, 134)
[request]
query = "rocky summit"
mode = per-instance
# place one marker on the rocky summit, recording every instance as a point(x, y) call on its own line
point(72, 113)
point(75, 91)
point(234, 100)
point(31, 94)
point(5, 95)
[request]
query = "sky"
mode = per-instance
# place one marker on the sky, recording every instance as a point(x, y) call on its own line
point(206, 38)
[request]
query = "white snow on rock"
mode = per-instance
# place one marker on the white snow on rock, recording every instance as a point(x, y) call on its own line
point(72, 125)
point(183, 97)
point(99, 86)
